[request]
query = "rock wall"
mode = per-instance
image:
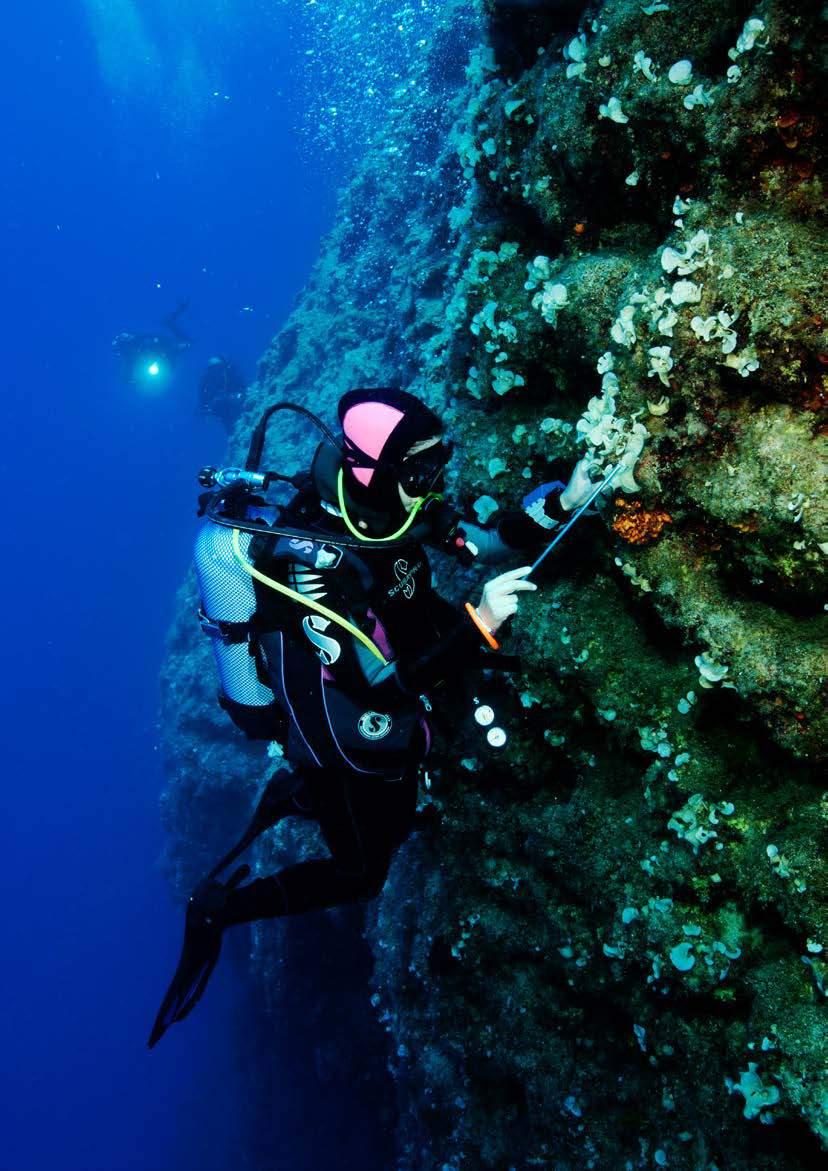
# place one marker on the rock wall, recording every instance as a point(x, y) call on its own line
point(606, 239)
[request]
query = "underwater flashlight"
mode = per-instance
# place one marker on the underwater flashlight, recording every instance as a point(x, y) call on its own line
point(151, 372)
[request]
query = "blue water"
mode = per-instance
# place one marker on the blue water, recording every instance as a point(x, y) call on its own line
point(126, 183)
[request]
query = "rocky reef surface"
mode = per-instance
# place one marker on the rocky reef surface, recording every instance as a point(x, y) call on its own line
point(604, 236)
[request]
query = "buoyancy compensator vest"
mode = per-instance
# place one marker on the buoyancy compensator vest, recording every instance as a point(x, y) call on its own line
point(234, 514)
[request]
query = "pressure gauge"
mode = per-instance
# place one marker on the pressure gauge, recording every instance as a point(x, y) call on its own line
point(496, 737)
point(484, 715)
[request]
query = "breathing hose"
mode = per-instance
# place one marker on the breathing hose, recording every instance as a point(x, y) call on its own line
point(304, 601)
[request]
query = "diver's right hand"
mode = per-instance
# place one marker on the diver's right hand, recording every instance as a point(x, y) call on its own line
point(499, 600)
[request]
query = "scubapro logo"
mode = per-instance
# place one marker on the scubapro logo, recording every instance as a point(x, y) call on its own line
point(406, 578)
point(374, 725)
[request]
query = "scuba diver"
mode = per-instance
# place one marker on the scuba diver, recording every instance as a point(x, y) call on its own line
point(147, 359)
point(221, 390)
point(330, 639)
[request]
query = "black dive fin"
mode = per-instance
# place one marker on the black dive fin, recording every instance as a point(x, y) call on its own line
point(199, 953)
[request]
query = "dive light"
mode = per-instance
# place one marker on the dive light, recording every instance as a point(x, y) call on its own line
point(151, 370)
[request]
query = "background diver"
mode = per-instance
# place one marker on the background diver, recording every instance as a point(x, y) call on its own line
point(147, 359)
point(221, 390)
point(333, 637)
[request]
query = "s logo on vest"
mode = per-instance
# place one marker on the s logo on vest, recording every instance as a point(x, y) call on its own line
point(328, 648)
point(302, 545)
point(374, 725)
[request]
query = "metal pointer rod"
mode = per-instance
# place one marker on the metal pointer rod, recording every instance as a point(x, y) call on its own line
point(571, 522)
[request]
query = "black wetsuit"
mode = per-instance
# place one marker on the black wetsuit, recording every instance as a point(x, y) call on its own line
point(357, 729)
point(362, 822)
point(351, 703)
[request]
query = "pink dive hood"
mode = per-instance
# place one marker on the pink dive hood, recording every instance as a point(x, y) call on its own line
point(379, 426)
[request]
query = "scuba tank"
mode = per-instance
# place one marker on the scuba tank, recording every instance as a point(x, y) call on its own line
point(228, 603)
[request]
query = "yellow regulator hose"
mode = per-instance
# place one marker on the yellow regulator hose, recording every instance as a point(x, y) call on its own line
point(304, 601)
point(340, 492)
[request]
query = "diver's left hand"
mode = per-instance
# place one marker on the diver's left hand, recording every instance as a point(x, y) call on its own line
point(580, 485)
point(542, 504)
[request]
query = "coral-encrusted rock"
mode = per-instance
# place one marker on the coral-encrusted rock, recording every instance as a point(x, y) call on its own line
point(659, 281)
point(518, 981)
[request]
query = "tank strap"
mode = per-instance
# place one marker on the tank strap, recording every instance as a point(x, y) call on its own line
point(239, 634)
point(232, 633)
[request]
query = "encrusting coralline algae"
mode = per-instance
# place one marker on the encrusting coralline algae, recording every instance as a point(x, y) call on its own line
point(610, 954)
